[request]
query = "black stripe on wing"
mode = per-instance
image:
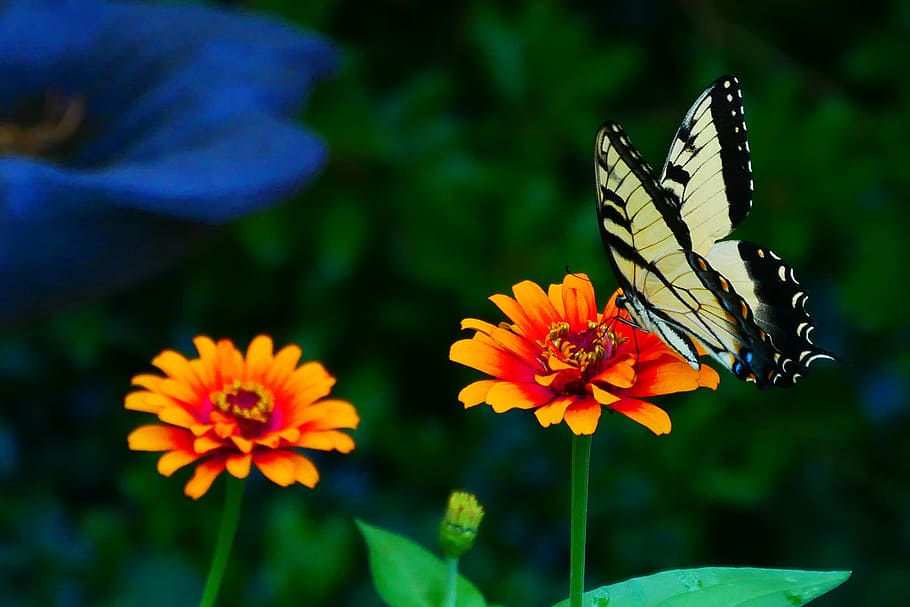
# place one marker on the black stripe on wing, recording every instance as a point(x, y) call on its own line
point(642, 172)
point(728, 113)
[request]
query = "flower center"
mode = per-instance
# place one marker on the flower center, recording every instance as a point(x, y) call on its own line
point(585, 350)
point(44, 132)
point(248, 403)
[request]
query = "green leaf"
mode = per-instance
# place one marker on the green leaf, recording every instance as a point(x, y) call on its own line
point(408, 575)
point(717, 587)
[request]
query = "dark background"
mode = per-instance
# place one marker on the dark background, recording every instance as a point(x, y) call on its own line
point(461, 142)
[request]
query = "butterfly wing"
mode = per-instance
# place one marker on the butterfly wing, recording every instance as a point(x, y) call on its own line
point(739, 302)
point(708, 172)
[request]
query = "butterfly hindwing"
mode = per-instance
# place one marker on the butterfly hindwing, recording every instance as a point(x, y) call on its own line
point(778, 302)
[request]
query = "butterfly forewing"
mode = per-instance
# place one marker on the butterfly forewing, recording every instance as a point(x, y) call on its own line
point(708, 172)
point(636, 221)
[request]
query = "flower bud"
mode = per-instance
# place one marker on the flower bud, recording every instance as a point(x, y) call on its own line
point(459, 526)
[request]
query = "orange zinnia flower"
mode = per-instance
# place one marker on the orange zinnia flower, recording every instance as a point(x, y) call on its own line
point(565, 360)
point(235, 411)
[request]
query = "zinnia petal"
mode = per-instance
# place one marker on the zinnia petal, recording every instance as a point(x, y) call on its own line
point(310, 383)
point(172, 461)
point(258, 357)
point(476, 393)
point(205, 474)
point(490, 360)
point(650, 416)
point(554, 411)
point(536, 305)
point(578, 300)
point(158, 438)
point(148, 402)
point(665, 378)
point(283, 365)
point(582, 417)
point(327, 414)
point(620, 373)
point(327, 440)
point(277, 466)
point(239, 465)
point(511, 395)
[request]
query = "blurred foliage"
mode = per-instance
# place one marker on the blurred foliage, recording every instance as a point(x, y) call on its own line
point(461, 142)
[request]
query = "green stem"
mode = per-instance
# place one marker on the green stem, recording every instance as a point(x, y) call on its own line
point(233, 498)
point(581, 459)
point(451, 582)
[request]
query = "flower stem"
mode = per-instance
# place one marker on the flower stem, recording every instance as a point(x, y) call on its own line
point(451, 582)
point(581, 459)
point(233, 498)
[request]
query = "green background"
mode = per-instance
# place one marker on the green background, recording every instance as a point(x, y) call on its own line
point(461, 163)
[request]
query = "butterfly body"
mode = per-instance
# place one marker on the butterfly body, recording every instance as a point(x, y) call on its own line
point(734, 300)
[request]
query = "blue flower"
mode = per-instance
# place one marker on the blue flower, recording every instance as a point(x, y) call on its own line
point(128, 129)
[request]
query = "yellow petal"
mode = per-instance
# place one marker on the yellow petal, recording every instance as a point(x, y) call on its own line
point(536, 305)
point(239, 464)
point(327, 440)
point(553, 412)
point(244, 444)
point(309, 383)
point(147, 381)
point(305, 472)
point(205, 475)
point(277, 466)
point(650, 416)
point(507, 395)
point(283, 365)
point(172, 461)
point(490, 359)
point(286, 468)
point(175, 365)
point(582, 417)
point(513, 312)
point(325, 415)
point(147, 402)
point(204, 444)
point(158, 438)
point(258, 357)
point(205, 346)
point(476, 393)
point(477, 325)
point(602, 396)
point(177, 416)
point(621, 373)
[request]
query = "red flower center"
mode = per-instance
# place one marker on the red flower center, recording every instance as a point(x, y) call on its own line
point(249, 404)
point(583, 350)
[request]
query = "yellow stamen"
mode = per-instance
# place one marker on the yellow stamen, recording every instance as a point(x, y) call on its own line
point(584, 348)
point(245, 401)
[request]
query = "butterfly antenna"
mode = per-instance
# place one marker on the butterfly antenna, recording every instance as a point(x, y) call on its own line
point(579, 276)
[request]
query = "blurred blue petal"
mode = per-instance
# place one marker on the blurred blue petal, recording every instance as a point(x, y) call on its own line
point(189, 122)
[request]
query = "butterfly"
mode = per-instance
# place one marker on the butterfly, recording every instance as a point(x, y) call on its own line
point(734, 300)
